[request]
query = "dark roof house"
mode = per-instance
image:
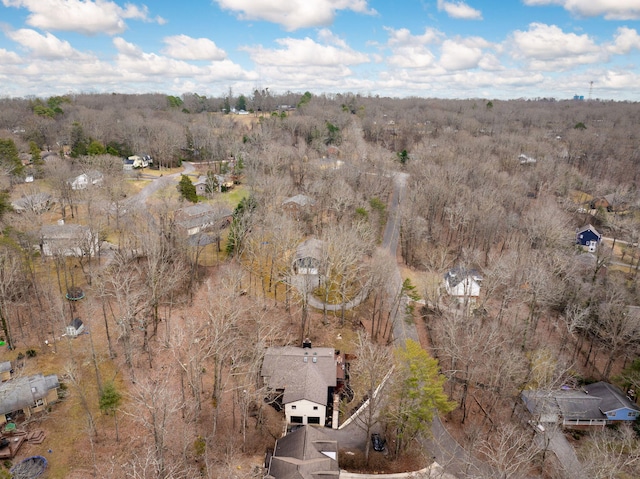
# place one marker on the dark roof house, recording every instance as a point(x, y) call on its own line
point(588, 236)
point(306, 453)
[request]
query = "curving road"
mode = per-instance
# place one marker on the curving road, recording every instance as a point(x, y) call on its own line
point(156, 185)
point(444, 449)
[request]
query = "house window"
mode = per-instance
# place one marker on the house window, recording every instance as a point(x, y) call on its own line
point(315, 408)
point(296, 419)
point(39, 402)
point(293, 406)
point(313, 420)
point(631, 414)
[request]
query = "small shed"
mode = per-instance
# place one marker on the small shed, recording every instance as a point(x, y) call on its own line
point(75, 328)
point(588, 237)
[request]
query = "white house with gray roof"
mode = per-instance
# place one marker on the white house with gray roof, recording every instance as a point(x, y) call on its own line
point(305, 377)
point(462, 284)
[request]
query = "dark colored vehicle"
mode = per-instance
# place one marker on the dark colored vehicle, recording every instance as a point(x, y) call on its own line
point(377, 442)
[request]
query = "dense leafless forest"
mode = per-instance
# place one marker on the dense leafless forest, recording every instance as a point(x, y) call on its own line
point(179, 328)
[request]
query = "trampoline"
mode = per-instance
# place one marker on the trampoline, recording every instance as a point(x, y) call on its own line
point(29, 468)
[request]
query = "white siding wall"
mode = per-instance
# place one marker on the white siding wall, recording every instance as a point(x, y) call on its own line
point(305, 409)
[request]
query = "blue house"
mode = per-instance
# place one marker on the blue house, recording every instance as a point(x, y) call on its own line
point(588, 237)
point(597, 404)
point(613, 403)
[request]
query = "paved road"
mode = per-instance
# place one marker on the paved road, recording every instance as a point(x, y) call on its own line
point(564, 451)
point(156, 185)
point(441, 445)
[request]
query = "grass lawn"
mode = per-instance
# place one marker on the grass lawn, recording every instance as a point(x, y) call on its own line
point(234, 196)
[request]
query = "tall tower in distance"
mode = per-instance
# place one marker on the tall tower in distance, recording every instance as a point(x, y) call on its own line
point(590, 89)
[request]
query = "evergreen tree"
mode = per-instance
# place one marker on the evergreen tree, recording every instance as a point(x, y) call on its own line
point(415, 394)
point(9, 158)
point(241, 103)
point(78, 140)
point(110, 400)
point(96, 148)
point(187, 189)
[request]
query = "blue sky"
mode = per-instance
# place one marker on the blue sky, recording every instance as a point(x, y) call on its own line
point(429, 48)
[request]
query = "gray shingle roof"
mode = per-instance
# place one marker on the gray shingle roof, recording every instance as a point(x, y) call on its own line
point(592, 402)
point(310, 248)
point(64, 232)
point(300, 200)
point(286, 369)
point(22, 392)
point(304, 454)
point(36, 202)
point(612, 398)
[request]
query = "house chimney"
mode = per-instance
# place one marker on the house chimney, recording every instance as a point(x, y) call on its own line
point(306, 343)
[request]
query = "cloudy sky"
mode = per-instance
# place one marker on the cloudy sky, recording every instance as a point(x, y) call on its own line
point(428, 48)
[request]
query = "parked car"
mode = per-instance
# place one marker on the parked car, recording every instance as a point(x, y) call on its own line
point(377, 442)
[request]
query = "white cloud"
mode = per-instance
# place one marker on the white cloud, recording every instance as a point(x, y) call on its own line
point(9, 58)
point(404, 37)
point(302, 53)
point(45, 46)
point(184, 47)
point(294, 14)
point(82, 16)
point(133, 60)
point(460, 10)
point(616, 80)
point(547, 47)
point(609, 9)
point(626, 39)
point(138, 66)
point(412, 51)
point(421, 51)
point(459, 56)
